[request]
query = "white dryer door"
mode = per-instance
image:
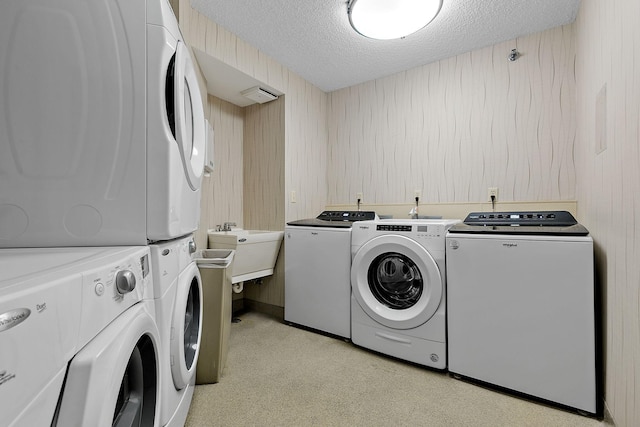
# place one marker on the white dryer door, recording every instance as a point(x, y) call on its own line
point(396, 281)
point(113, 380)
point(189, 117)
point(186, 326)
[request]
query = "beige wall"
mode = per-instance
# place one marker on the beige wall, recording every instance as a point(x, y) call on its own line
point(264, 199)
point(263, 165)
point(453, 128)
point(608, 185)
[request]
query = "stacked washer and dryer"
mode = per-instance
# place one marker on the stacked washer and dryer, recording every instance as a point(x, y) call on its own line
point(101, 158)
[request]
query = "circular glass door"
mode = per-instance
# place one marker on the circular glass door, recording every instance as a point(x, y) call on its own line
point(136, 401)
point(396, 281)
point(187, 324)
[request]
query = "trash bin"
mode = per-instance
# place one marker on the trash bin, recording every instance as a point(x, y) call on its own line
point(215, 270)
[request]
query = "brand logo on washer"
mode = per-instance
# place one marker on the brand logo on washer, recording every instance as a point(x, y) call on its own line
point(13, 318)
point(434, 357)
point(510, 245)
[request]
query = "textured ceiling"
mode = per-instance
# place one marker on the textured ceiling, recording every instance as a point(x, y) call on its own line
point(313, 38)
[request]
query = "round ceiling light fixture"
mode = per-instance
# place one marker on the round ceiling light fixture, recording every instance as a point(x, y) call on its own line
point(391, 19)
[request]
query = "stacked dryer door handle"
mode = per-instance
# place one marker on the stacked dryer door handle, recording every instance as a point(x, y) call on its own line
point(398, 283)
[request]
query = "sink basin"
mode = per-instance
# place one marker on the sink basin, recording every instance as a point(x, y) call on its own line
point(256, 251)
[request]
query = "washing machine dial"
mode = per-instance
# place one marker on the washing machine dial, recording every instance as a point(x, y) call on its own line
point(125, 281)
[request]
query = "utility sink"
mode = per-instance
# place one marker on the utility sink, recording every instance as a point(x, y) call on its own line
point(256, 251)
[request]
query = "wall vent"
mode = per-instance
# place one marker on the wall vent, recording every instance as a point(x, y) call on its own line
point(259, 95)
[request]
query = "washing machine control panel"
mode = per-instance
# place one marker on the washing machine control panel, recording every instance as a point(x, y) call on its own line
point(429, 231)
point(347, 215)
point(110, 288)
point(394, 227)
point(417, 230)
point(529, 218)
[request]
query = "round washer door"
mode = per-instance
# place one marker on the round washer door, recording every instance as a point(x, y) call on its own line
point(396, 281)
point(186, 324)
point(113, 380)
point(189, 117)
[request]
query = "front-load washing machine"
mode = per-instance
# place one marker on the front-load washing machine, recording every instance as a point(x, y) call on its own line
point(398, 286)
point(101, 124)
point(78, 339)
point(178, 293)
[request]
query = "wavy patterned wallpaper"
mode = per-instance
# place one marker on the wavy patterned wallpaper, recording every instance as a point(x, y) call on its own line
point(306, 150)
point(263, 165)
point(455, 127)
point(608, 184)
point(264, 201)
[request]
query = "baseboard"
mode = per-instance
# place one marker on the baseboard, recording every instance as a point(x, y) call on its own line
point(608, 417)
point(264, 308)
point(237, 305)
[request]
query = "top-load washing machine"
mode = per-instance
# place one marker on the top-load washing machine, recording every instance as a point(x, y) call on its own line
point(317, 269)
point(522, 308)
point(101, 124)
point(398, 286)
point(79, 345)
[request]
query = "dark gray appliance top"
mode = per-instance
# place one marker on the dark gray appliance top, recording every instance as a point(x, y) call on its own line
point(560, 223)
point(335, 219)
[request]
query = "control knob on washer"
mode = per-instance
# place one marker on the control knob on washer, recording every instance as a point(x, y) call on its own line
point(125, 281)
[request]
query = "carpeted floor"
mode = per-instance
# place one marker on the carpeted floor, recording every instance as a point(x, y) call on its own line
point(279, 375)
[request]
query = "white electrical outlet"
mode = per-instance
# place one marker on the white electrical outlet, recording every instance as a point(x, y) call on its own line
point(293, 197)
point(417, 193)
point(493, 192)
point(359, 197)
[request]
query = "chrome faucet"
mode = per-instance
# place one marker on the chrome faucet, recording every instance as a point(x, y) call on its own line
point(414, 211)
point(227, 226)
